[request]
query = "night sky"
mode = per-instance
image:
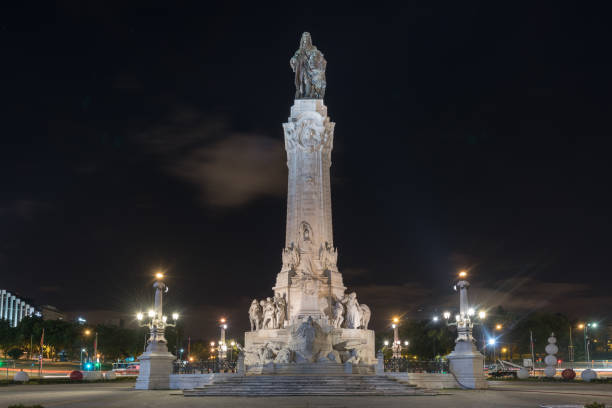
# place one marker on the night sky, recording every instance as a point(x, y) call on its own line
point(137, 136)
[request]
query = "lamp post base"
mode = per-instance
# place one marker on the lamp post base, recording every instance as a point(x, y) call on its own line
point(466, 363)
point(155, 370)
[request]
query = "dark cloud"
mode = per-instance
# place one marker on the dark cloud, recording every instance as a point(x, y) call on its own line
point(22, 208)
point(229, 168)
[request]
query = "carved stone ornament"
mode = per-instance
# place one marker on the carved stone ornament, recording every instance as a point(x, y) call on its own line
point(311, 132)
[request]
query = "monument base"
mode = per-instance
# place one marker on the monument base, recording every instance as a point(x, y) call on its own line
point(155, 370)
point(338, 346)
point(467, 364)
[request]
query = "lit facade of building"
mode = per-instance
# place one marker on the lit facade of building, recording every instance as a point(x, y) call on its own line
point(13, 308)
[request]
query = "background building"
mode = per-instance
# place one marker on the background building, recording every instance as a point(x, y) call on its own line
point(13, 308)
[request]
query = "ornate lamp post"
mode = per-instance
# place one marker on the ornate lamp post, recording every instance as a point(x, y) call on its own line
point(397, 344)
point(222, 346)
point(465, 361)
point(156, 361)
point(156, 321)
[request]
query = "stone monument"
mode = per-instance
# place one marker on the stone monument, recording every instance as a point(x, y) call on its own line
point(310, 320)
point(465, 362)
point(551, 358)
point(156, 361)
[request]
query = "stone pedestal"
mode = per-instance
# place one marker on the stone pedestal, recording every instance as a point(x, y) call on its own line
point(155, 370)
point(467, 364)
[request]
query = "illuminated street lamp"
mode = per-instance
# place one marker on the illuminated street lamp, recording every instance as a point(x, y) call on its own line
point(397, 345)
point(587, 340)
point(498, 326)
point(156, 321)
point(465, 362)
point(222, 345)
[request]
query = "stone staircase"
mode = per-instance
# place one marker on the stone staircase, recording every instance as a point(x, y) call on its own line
point(293, 385)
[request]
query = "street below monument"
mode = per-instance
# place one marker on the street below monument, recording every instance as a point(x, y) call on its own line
point(500, 394)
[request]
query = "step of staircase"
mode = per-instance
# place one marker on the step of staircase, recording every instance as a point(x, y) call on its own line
point(296, 385)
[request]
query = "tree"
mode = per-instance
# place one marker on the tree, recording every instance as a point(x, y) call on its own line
point(8, 336)
point(15, 353)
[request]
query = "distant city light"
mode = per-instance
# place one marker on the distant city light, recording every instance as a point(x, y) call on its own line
point(139, 316)
point(463, 274)
point(396, 320)
point(151, 313)
point(491, 341)
point(482, 314)
point(159, 275)
point(471, 312)
point(446, 315)
point(498, 326)
point(435, 318)
point(393, 326)
point(386, 342)
point(406, 343)
point(175, 316)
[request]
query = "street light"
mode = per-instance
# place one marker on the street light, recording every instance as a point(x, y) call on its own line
point(386, 342)
point(446, 315)
point(498, 326)
point(82, 351)
point(592, 325)
point(482, 314)
point(435, 318)
point(156, 321)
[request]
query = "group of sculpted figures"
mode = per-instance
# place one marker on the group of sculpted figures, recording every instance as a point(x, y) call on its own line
point(356, 316)
point(308, 343)
point(269, 313)
point(296, 258)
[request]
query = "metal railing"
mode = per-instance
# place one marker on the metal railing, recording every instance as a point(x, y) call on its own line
point(204, 367)
point(408, 365)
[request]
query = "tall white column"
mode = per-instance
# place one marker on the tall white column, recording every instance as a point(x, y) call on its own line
point(11, 316)
point(16, 312)
point(7, 300)
point(309, 256)
point(2, 295)
point(21, 311)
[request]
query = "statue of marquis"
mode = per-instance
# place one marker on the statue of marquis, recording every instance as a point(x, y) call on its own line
point(309, 67)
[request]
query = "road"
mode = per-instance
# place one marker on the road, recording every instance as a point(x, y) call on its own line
point(119, 395)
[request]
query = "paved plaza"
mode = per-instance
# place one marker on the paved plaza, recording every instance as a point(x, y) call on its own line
point(501, 394)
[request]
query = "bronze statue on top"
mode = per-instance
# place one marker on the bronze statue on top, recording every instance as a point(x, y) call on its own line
point(309, 67)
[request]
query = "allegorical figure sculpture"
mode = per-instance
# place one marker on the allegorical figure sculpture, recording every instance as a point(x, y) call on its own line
point(269, 314)
point(353, 311)
point(281, 310)
point(255, 315)
point(366, 313)
point(338, 313)
point(309, 67)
